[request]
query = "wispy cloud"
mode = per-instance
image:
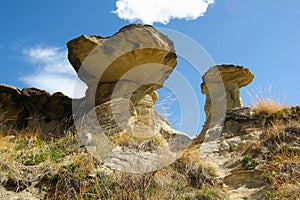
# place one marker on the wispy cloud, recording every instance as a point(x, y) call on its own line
point(150, 11)
point(52, 71)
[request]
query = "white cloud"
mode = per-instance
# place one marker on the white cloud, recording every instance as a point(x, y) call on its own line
point(52, 71)
point(150, 11)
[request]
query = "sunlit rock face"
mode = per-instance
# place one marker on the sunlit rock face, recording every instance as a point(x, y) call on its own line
point(123, 72)
point(134, 61)
point(131, 137)
point(233, 78)
point(221, 85)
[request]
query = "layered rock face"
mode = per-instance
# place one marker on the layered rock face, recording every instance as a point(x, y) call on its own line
point(34, 109)
point(133, 62)
point(221, 86)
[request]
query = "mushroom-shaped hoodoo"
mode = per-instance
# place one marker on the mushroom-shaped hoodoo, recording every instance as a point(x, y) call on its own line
point(221, 86)
point(131, 63)
point(233, 78)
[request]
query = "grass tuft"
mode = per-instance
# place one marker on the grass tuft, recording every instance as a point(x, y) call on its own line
point(267, 106)
point(263, 102)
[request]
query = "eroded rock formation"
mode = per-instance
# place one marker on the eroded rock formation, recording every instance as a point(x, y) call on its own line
point(34, 109)
point(245, 149)
point(233, 78)
point(133, 62)
point(221, 86)
point(10, 106)
point(125, 68)
point(50, 113)
point(122, 73)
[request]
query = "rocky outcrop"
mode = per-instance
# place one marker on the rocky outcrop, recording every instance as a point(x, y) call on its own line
point(133, 62)
point(233, 78)
point(242, 130)
point(34, 109)
point(11, 109)
point(248, 149)
point(122, 73)
point(50, 113)
point(131, 137)
point(221, 86)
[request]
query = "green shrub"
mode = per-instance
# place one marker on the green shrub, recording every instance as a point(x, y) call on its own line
point(32, 157)
point(248, 162)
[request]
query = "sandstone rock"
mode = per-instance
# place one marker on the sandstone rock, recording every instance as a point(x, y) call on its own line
point(241, 131)
point(138, 57)
point(234, 143)
point(34, 109)
point(248, 179)
point(233, 78)
point(122, 72)
point(179, 141)
point(241, 122)
point(221, 86)
point(50, 113)
point(11, 109)
point(224, 146)
point(131, 137)
point(240, 113)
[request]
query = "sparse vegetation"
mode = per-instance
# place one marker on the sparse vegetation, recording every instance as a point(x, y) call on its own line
point(248, 162)
point(267, 107)
point(280, 144)
point(264, 103)
point(63, 169)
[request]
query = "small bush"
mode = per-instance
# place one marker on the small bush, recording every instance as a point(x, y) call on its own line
point(246, 159)
point(248, 162)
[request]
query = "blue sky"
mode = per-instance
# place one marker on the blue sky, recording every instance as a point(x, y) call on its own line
point(262, 35)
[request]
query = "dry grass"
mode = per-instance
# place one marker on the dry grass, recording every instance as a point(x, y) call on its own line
point(264, 102)
point(267, 106)
point(280, 144)
point(63, 169)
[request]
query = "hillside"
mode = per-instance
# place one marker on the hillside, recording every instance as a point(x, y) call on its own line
point(257, 157)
